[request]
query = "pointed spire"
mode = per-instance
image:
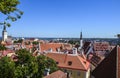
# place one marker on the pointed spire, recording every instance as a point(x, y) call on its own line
point(4, 29)
point(81, 35)
point(81, 41)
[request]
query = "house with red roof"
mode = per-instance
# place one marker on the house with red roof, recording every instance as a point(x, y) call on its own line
point(57, 74)
point(110, 66)
point(73, 64)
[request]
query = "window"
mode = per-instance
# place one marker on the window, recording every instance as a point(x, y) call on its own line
point(85, 62)
point(57, 62)
point(69, 63)
point(78, 73)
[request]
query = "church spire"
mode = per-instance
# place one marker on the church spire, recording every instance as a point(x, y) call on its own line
point(81, 36)
point(4, 33)
point(81, 41)
point(4, 29)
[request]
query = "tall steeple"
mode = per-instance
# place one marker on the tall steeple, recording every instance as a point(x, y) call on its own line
point(4, 29)
point(81, 36)
point(4, 33)
point(81, 41)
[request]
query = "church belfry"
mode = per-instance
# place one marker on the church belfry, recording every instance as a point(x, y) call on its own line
point(4, 34)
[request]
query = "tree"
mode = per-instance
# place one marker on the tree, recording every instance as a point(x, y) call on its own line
point(118, 35)
point(10, 10)
point(19, 41)
point(45, 63)
point(7, 67)
point(32, 66)
point(2, 47)
point(35, 42)
point(27, 66)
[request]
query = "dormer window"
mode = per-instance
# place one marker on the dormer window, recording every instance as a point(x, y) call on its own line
point(57, 62)
point(69, 63)
point(85, 62)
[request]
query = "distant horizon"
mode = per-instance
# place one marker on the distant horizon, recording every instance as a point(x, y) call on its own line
point(67, 18)
point(62, 37)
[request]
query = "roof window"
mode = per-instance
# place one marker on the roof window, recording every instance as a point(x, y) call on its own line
point(69, 63)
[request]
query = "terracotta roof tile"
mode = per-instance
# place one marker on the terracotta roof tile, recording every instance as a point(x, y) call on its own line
point(57, 74)
point(107, 68)
point(118, 63)
point(63, 60)
point(101, 46)
point(53, 46)
point(86, 47)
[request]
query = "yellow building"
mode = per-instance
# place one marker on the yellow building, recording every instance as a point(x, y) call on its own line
point(76, 66)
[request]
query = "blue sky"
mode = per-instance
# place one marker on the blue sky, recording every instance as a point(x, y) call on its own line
point(66, 18)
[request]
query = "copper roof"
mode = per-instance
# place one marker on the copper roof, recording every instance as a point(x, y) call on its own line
point(63, 60)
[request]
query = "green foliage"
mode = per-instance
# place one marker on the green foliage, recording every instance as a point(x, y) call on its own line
point(2, 47)
point(18, 41)
point(45, 62)
point(118, 43)
point(10, 10)
point(7, 68)
point(73, 42)
point(35, 42)
point(118, 35)
point(27, 66)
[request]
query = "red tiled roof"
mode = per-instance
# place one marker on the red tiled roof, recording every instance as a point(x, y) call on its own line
point(78, 63)
point(118, 62)
point(57, 74)
point(101, 46)
point(107, 68)
point(47, 46)
point(86, 47)
point(5, 52)
point(95, 60)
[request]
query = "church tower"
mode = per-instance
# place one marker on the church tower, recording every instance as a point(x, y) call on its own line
point(4, 34)
point(81, 41)
point(81, 44)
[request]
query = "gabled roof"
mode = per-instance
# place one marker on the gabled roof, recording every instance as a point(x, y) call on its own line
point(86, 47)
point(101, 46)
point(110, 66)
point(47, 46)
point(70, 61)
point(118, 59)
point(57, 74)
point(95, 60)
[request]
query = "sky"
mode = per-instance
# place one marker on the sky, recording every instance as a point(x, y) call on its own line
point(67, 18)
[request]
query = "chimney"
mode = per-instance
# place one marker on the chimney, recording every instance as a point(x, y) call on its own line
point(50, 50)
